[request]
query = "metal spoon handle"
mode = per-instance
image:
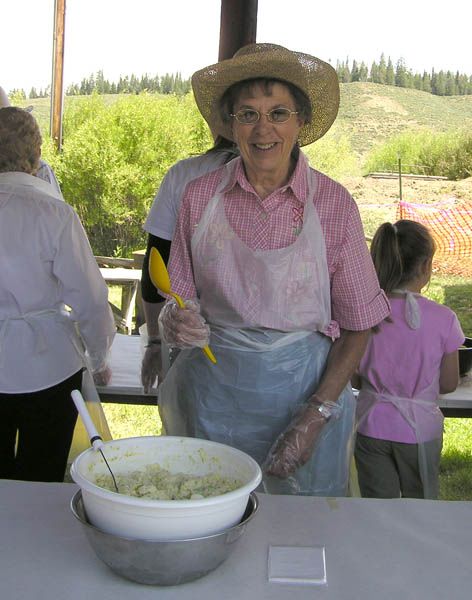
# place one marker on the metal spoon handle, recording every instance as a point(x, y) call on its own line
point(95, 439)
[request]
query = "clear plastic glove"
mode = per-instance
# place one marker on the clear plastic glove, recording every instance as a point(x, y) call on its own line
point(183, 327)
point(294, 447)
point(102, 376)
point(151, 366)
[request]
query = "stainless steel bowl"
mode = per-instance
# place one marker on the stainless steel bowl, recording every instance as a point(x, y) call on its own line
point(163, 563)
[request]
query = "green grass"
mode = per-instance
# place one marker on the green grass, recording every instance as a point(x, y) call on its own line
point(455, 477)
point(129, 421)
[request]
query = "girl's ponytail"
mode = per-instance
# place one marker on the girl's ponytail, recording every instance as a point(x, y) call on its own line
point(386, 257)
point(399, 251)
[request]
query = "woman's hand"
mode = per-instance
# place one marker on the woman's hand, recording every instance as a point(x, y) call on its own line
point(294, 446)
point(103, 376)
point(184, 327)
point(151, 366)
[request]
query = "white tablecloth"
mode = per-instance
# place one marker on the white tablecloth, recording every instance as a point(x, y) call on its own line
point(375, 550)
point(125, 362)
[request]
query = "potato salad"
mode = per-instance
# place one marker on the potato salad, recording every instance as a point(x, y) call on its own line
point(156, 483)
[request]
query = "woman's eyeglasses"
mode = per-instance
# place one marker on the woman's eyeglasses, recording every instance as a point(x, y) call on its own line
point(250, 116)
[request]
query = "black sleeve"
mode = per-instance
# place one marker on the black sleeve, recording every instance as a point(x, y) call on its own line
point(148, 291)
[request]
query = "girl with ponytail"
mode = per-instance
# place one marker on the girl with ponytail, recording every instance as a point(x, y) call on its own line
point(409, 361)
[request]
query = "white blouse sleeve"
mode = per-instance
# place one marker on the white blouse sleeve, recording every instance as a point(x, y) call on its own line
point(84, 290)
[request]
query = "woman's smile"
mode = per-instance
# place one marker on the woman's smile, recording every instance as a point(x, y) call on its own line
point(265, 146)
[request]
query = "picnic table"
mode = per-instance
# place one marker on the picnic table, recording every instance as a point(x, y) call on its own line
point(125, 386)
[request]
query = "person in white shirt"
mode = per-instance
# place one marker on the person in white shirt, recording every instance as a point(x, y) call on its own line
point(160, 225)
point(44, 171)
point(54, 314)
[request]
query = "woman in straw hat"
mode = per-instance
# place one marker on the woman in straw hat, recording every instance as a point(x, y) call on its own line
point(46, 263)
point(274, 251)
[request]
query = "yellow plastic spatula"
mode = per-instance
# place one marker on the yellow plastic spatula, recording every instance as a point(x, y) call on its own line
point(161, 280)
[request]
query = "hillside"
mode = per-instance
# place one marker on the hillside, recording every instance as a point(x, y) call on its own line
point(369, 113)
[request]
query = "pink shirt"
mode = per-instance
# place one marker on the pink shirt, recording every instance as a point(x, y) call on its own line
point(404, 362)
point(357, 301)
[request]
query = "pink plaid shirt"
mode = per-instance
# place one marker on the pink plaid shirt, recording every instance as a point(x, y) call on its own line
point(357, 301)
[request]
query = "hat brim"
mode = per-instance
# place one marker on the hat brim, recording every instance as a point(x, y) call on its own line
point(314, 77)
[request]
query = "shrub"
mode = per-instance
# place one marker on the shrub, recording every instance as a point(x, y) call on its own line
point(446, 154)
point(115, 156)
point(333, 155)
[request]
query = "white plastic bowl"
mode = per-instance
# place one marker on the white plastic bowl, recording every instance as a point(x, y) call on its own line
point(141, 518)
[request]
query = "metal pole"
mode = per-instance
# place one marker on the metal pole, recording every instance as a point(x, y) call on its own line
point(400, 176)
point(238, 26)
point(57, 92)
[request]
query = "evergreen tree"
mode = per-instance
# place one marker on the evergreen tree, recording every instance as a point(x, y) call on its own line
point(33, 93)
point(390, 73)
point(417, 81)
point(134, 84)
point(426, 82)
point(355, 75)
point(461, 83)
point(363, 72)
point(99, 82)
point(167, 84)
point(450, 85)
point(346, 72)
point(374, 73)
point(17, 96)
point(401, 74)
point(382, 74)
point(438, 83)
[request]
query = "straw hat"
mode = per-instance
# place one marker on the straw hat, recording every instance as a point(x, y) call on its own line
point(316, 78)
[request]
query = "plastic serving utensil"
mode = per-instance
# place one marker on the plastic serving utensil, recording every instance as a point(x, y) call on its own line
point(95, 439)
point(161, 280)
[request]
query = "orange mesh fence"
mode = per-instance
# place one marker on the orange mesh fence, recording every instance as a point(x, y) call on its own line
point(450, 226)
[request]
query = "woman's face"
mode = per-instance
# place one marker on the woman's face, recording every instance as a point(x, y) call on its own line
point(265, 147)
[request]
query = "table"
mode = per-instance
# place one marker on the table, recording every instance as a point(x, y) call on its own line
point(388, 549)
point(459, 402)
point(125, 386)
point(129, 281)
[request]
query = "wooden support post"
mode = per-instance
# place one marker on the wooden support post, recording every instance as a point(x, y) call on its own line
point(238, 26)
point(57, 92)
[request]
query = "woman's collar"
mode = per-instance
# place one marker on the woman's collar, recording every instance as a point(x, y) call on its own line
point(20, 178)
point(297, 182)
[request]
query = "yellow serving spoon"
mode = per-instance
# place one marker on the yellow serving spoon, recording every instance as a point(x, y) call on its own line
point(161, 280)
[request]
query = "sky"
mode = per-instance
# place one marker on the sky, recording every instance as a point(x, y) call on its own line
point(167, 36)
